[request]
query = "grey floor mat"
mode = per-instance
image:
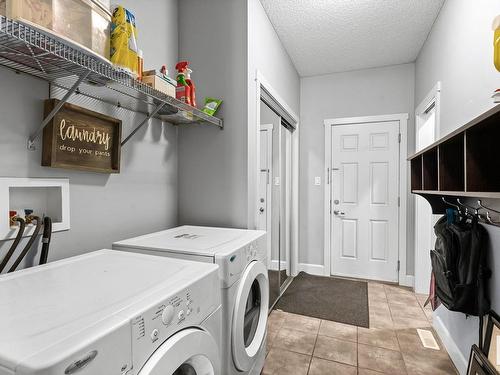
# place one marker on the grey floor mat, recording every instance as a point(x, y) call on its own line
point(330, 298)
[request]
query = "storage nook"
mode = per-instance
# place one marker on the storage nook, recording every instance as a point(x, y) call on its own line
point(461, 164)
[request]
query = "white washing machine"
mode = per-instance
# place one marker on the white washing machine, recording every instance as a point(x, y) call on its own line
point(241, 256)
point(111, 313)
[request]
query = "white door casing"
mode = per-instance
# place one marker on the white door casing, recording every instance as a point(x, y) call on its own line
point(244, 355)
point(367, 189)
point(426, 132)
point(190, 347)
point(285, 205)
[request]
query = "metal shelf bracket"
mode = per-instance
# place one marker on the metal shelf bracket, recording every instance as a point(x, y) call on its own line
point(148, 117)
point(34, 137)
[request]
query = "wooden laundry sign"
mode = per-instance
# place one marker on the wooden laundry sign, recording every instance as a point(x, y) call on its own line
point(78, 138)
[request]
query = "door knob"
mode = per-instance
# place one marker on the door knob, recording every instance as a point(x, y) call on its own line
point(261, 209)
point(338, 213)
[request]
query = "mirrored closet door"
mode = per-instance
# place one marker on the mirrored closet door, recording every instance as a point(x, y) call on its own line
point(275, 197)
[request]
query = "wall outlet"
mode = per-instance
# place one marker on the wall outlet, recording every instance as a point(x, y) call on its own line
point(317, 181)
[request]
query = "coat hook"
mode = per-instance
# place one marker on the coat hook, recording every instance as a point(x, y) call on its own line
point(450, 204)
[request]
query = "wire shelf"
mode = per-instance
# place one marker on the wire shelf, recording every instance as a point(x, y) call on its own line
point(25, 48)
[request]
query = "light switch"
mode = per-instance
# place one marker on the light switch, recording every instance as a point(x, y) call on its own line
point(317, 180)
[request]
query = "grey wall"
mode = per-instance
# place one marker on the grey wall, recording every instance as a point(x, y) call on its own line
point(104, 208)
point(267, 55)
point(459, 53)
point(157, 29)
point(369, 92)
point(213, 163)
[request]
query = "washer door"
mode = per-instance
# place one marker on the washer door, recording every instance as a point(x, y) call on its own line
point(188, 352)
point(250, 315)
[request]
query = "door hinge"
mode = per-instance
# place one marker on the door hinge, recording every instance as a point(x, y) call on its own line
point(399, 201)
point(399, 138)
point(399, 265)
point(330, 206)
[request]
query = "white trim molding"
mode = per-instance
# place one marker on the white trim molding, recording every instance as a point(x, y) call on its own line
point(404, 279)
point(456, 355)
point(421, 271)
point(312, 269)
point(275, 265)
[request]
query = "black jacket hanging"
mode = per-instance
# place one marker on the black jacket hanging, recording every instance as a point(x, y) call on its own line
point(460, 266)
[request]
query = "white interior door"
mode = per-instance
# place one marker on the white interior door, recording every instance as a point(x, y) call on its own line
point(424, 219)
point(364, 207)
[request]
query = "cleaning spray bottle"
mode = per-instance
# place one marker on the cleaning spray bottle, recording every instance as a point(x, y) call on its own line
point(192, 87)
point(183, 91)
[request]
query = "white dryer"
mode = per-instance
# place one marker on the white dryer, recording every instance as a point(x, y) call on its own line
point(111, 313)
point(241, 256)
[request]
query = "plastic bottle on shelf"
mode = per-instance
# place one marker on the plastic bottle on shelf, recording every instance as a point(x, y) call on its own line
point(183, 91)
point(140, 65)
point(192, 87)
point(496, 42)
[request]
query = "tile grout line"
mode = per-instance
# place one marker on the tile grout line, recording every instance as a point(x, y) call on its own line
point(314, 347)
point(357, 342)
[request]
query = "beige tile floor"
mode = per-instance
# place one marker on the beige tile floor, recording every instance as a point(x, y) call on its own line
point(300, 345)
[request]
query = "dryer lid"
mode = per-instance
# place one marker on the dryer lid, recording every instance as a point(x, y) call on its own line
point(208, 241)
point(77, 299)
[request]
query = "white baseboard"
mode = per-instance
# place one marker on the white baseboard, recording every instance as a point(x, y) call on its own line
point(455, 354)
point(312, 269)
point(407, 280)
point(273, 265)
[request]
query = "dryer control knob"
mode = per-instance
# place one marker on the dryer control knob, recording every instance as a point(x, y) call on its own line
point(168, 315)
point(181, 315)
point(154, 335)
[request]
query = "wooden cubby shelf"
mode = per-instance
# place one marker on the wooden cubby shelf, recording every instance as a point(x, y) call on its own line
point(462, 164)
point(430, 169)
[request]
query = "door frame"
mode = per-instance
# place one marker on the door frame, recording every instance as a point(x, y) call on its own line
point(433, 98)
point(261, 83)
point(402, 118)
point(269, 191)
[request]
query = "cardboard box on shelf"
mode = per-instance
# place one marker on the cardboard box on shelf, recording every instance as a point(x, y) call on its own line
point(159, 84)
point(84, 22)
point(3, 7)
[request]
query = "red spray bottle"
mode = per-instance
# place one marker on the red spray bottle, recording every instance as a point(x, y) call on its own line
point(183, 91)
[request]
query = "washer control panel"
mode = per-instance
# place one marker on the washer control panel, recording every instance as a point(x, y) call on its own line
point(186, 308)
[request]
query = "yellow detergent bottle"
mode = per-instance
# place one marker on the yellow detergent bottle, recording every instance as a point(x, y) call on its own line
point(496, 42)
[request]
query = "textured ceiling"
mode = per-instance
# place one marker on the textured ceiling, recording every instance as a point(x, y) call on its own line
point(327, 36)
